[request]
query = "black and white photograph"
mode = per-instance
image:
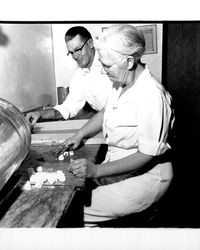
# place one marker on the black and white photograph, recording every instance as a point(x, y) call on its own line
point(99, 133)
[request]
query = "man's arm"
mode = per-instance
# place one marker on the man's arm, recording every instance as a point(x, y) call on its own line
point(76, 97)
point(51, 114)
point(35, 116)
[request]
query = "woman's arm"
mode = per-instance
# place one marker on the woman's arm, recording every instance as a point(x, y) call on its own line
point(92, 127)
point(127, 164)
point(87, 169)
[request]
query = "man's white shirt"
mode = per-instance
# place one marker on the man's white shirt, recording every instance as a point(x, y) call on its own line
point(89, 85)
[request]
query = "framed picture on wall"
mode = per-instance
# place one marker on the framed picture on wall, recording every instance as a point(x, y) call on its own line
point(104, 28)
point(150, 35)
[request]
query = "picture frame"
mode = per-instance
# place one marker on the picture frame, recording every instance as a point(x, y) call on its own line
point(150, 35)
point(103, 29)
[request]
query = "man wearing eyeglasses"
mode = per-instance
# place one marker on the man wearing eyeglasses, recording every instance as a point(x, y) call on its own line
point(88, 84)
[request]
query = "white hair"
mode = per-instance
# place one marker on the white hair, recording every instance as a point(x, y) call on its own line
point(124, 39)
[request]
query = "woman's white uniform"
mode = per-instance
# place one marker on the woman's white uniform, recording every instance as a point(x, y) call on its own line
point(139, 119)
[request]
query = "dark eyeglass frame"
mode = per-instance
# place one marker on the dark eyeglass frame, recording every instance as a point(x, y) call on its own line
point(77, 51)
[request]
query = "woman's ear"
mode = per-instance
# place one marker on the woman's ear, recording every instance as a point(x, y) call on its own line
point(90, 43)
point(130, 62)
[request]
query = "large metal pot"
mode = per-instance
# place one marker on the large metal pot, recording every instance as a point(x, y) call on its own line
point(15, 139)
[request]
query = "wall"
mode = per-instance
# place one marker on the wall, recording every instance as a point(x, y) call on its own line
point(182, 76)
point(65, 66)
point(27, 76)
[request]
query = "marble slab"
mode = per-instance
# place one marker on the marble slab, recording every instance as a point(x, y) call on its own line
point(45, 207)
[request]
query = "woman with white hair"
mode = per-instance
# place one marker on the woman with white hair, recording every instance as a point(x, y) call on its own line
point(136, 124)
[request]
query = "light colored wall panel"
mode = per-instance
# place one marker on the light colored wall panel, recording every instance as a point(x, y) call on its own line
point(27, 76)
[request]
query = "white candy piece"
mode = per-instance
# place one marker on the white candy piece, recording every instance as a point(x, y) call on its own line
point(27, 186)
point(51, 181)
point(39, 169)
point(40, 178)
point(39, 183)
point(59, 172)
point(65, 153)
point(31, 174)
point(71, 153)
point(51, 178)
point(61, 158)
point(60, 176)
point(33, 179)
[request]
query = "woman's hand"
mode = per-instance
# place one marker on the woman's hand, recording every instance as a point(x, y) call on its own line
point(83, 168)
point(72, 143)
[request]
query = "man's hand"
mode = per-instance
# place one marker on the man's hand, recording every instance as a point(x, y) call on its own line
point(33, 117)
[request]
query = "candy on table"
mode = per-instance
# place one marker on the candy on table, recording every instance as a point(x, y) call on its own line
point(65, 154)
point(61, 157)
point(71, 153)
point(60, 176)
point(38, 178)
point(27, 186)
point(31, 174)
point(39, 183)
point(51, 178)
point(33, 179)
point(39, 169)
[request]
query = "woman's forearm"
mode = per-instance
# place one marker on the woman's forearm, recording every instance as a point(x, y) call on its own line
point(92, 127)
point(127, 164)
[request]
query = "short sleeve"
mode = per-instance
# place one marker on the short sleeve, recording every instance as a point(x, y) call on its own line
point(75, 99)
point(154, 116)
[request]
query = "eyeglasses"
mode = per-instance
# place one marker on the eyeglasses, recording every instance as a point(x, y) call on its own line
point(77, 52)
point(108, 67)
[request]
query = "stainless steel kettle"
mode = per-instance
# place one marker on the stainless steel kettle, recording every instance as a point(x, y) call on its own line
point(15, 140)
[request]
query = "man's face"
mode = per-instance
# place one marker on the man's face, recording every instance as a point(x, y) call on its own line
point(80, 50)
